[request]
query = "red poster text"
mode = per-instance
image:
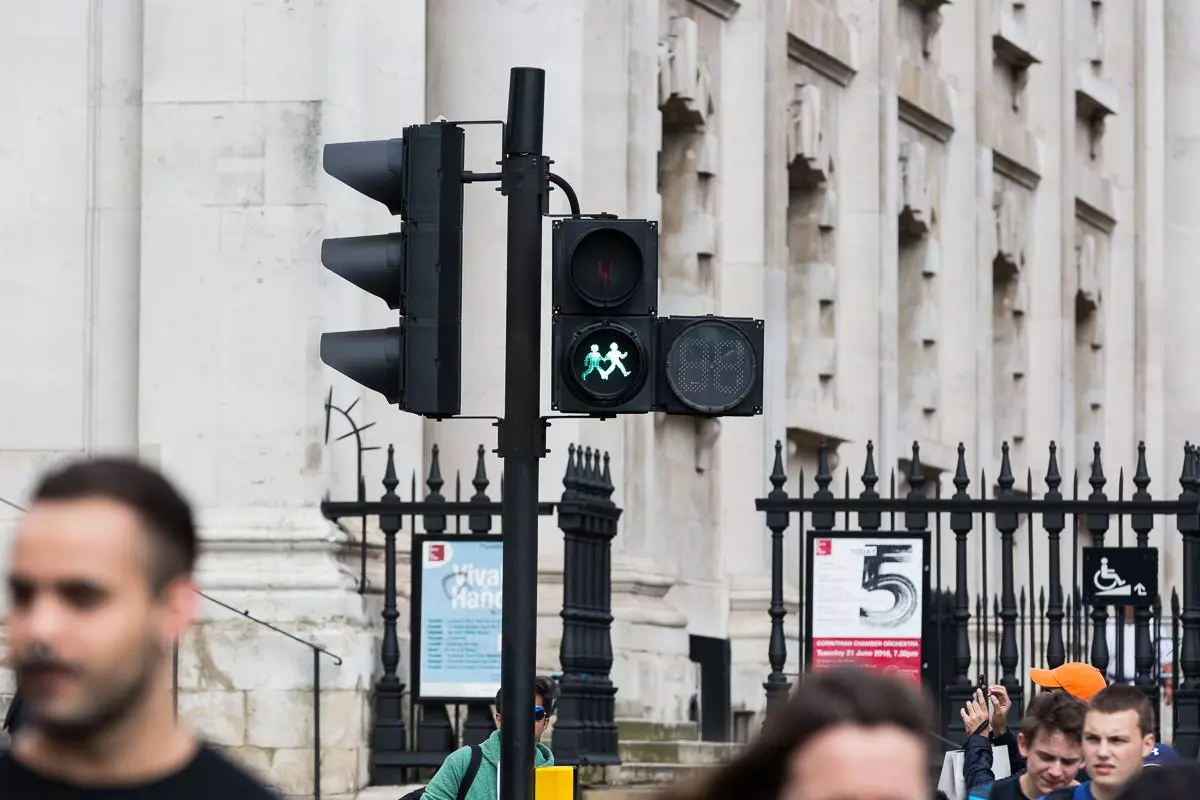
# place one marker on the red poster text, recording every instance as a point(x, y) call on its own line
point(901, 656)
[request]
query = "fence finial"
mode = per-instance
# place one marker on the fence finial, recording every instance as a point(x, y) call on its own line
point(606, 479)
point(1185, 474)
point(961, 480)
point(869, 476)
point(1005, 479)
point(390, 481)
point(1097, 480)
point(570, 474)
point(1141, 475)
point(434, 481)
point(778, 476)
point(916, 475)
point(823, 476)
point(1053, 477)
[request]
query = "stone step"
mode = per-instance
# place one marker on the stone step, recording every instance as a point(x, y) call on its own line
point(643, 731)
point(686, 753)
point(643, 792)
point(628, 775)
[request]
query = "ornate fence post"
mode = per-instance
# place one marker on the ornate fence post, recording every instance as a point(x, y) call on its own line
point(389, 736)
point(777, 685)
point(960, 688)
point(1053, 521)
point(585, 730)
point(1097, 525)
point(1144, 650)
point(1006, 523)
point(1187, 697)
point(434, 729)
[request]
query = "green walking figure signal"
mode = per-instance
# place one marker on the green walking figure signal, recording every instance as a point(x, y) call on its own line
point(614, 360)
point(592, 361)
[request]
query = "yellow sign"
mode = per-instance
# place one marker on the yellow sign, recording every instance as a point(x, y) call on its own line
point(554, 783)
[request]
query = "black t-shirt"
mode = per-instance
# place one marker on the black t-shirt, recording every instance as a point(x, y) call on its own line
point(208, 776)
point(1009, 789)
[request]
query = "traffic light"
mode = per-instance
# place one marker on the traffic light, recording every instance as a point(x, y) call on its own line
point(417, 271)
point(604, 295)
point(709, 366)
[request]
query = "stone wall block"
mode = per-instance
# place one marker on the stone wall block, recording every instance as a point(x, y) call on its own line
point(231, 655)
point(285, 719)
point(218, 717)
point(290, 770)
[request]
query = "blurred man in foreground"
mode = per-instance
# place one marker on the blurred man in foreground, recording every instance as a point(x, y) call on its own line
point(100, 590)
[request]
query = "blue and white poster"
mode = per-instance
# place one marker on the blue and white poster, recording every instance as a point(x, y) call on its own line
point(460, 622)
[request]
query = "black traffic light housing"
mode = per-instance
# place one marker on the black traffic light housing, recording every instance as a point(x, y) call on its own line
point(417, 271)
point(605, 297)
point(709, 366)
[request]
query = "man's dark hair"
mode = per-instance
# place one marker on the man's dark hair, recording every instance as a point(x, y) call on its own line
point(1123, 697)
point(164, 513)
point(1054, 711)
point(841, 696)
point(544, 685)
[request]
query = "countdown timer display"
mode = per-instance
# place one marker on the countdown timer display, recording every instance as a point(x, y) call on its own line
point(711, 366)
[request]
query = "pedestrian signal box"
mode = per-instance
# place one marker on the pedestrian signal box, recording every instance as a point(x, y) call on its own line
point(614, 355)
point(605, 293)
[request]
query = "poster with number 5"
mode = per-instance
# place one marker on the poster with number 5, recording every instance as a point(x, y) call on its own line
point(866, 600)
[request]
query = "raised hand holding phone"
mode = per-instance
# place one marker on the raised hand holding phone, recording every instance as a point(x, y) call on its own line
point(1001, 703)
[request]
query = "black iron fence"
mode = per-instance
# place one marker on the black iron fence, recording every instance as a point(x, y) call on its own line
point(1040, 624)
point(411, 733)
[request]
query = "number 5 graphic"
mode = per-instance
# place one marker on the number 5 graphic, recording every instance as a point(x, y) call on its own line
point(904, 593)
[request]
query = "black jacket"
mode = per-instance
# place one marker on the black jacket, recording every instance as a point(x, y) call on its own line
point(977, 758)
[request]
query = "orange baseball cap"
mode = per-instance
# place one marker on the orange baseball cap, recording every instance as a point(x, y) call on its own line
point(1075, 678)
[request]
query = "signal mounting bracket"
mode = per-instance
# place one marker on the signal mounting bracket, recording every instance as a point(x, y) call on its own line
point(539, 433)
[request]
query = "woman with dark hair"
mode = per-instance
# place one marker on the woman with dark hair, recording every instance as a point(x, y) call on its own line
point(1165, 782)
point(846, 733)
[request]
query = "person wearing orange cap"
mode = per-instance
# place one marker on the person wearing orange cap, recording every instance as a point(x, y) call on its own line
point(1075, 678)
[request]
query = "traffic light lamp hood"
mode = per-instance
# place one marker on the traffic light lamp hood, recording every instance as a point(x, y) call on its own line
point(375, 169)
point(417, 271)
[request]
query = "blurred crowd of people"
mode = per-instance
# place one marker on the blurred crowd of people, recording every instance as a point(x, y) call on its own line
point(852, 734)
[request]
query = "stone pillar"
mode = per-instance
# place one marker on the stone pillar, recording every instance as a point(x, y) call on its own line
point(472, 46)
point(752, 282)
point(1181, 235)
point(239, 98)
point(69, 220)
point(69, 223)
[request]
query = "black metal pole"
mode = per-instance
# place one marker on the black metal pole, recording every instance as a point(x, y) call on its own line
point(522, 440)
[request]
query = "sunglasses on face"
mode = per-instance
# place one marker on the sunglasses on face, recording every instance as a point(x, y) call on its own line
point(539, 713)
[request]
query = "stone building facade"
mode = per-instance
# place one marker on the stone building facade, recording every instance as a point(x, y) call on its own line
point(962, 221)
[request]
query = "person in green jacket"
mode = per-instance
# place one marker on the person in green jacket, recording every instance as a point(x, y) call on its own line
point(486, 784)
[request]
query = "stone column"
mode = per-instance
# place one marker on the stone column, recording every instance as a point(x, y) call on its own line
point(69, 224)
point(239, 98)
point(1181, 235)
point(752, 283)
point(1150, 338)
point(472, 46)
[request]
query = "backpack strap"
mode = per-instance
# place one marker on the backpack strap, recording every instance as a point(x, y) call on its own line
point(468, 778)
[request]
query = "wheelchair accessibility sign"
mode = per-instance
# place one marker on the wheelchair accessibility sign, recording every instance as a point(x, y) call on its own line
point(1120, 576)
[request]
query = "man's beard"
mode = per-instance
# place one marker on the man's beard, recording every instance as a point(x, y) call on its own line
point(111, 700)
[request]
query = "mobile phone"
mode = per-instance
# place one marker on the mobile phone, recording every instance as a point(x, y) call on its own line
point(983, 687)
